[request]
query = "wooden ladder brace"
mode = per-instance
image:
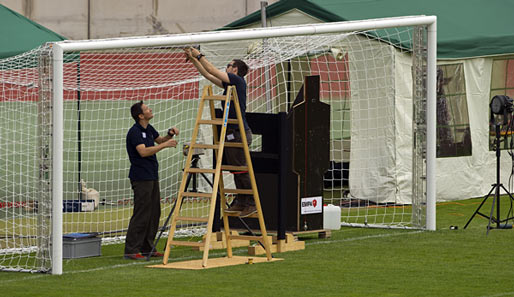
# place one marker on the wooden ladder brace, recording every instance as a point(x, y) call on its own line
point(218, 146)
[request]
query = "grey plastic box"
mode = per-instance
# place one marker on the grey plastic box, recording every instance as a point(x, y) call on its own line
point(81, 247)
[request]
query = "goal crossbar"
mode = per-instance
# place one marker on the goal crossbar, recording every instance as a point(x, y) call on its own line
point(256, 33)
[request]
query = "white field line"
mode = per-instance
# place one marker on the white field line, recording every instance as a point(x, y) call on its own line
point(131, 263)
point(365, 237)
point(191, 257)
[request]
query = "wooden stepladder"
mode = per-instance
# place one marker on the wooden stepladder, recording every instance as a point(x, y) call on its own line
point(218, 146)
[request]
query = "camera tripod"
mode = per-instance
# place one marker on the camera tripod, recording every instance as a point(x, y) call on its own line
point(194, 176)
point(496, 189)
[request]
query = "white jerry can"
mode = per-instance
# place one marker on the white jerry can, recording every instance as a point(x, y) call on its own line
point(331, 217)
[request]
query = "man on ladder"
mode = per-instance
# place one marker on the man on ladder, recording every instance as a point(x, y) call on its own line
point(234, 76)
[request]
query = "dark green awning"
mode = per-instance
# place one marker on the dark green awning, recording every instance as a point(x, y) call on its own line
point(465, 28)
point(19, 34)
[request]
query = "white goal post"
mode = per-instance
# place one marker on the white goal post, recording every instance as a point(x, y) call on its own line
point(379, 76)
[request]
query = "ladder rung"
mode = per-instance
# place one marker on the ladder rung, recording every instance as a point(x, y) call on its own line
point(200, 170)
point(205, 146)
point(196, 194)
point(217, 122)
point(186, 243)
point(193, 219)
point(212, 122)
point(234, 144)
point(216, 146)
point(235, 214)
point(239, 191)
point(216, 97)
point(234, 168)
point(233, 121)
point(246, 237)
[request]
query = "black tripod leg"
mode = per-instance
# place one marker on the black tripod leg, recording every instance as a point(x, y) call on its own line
point(512, 200)
point(206, 179)
point(480, 206)
point(496, 196)
point(164, 227)
point(160, 234)
point(506, 191)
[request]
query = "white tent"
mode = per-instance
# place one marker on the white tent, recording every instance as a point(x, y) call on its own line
point(458, 177)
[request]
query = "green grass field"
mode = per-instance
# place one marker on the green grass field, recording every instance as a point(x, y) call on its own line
point(353, 262)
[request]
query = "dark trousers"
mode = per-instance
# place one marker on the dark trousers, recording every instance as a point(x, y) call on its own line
point(236, 157)
point(144, 222)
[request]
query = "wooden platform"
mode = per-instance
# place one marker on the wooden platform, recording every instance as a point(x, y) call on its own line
point(214, 262)
point(291, 243)
point(322, 233)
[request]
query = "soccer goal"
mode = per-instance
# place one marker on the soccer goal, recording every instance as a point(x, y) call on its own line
point(65, 109)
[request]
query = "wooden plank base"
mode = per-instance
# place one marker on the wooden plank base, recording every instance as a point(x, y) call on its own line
point(291, 243)
point(322, 233)
point(214, 262)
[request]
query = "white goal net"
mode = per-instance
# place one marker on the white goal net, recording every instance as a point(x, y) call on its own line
point(374, 80)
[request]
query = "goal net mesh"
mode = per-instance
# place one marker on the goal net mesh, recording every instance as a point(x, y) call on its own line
point(369, 79)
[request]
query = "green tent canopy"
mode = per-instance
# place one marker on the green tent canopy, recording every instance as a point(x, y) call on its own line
point(465, 28)
point(19, 34)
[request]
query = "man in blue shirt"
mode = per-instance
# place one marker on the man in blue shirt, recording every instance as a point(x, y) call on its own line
point(233, 76)
point(144, 179)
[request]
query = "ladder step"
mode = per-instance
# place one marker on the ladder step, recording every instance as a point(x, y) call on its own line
point(193, 219)
point(239, 191)
point(234, 168)
point(216, 146)
point(246, 237)
point(234, 144)
point(218, 122)
point(200, 170)
point(205, 146)
point(236, 214)
point(196, 194)
point(186, 243)
point(216, 97)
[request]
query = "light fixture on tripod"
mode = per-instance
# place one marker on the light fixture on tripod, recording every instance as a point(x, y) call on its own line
point(501, 106)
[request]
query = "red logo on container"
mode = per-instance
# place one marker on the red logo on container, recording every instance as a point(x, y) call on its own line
point(314, 202)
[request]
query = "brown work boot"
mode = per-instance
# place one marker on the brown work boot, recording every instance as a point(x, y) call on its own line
point(248, 211)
